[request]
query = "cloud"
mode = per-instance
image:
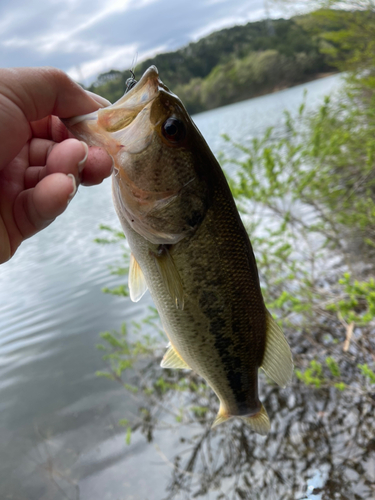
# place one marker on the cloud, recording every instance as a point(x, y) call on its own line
point(61, 34)
point(143, 3)
point(7, 21)
point(225, 22)
point(113, 58)
point(87, 37)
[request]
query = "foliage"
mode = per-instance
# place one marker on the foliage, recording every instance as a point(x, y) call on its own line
point(314, 374)
point(237, 79)
point(357, 304)
point(242, 61)
point(200, 58)
point(327, 168)
point(349, 35)
point(367, 372)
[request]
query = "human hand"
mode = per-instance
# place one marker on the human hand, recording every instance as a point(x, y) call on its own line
point(40, 164)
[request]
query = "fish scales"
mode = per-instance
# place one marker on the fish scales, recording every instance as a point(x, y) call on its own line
point(163, 176)
point(189, 247)
point(207, 329)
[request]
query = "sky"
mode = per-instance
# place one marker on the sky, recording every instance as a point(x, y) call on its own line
point(89, 37)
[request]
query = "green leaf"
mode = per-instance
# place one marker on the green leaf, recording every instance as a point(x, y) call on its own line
point(340, 386)
point(367, 372)
point(333, 367)
point(128, 435)
point(104, 374)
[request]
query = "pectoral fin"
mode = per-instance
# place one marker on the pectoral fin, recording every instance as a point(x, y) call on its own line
point(277, 360)
point(172, 359)
point(136, 280)
point(170, 275)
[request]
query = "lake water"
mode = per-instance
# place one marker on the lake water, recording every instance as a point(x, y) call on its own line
point(59, 435)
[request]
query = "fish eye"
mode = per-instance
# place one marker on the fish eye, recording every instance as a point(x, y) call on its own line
point(173, 130)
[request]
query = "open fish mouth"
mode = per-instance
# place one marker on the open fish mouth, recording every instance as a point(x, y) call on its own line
point(133, 101)
point(125, 125)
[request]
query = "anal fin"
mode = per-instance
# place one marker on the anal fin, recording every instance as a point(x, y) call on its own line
point(172, 359)
point(170, 275)
point(136, 280)
point(277, 360)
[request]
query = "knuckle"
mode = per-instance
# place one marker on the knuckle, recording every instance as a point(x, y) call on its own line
point(58, 76)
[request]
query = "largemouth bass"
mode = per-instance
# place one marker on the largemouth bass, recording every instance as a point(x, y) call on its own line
point(189, 247)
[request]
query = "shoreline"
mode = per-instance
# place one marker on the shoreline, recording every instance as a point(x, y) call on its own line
point(274, 90)
point(317, 76)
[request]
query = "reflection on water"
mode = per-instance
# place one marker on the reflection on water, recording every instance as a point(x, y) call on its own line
point(60, 437)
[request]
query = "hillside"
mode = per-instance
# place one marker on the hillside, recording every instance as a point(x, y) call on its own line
point(237, 63)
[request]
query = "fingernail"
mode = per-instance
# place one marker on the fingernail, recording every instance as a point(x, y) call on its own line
point(74, 184)
point(82, 163)
point(99, 99)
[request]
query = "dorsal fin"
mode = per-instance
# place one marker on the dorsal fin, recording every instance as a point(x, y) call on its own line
point(172, 359)
point(277, 360)
point(170, 275)
point(136, 280)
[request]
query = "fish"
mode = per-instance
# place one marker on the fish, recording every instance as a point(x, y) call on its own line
point(189, 247)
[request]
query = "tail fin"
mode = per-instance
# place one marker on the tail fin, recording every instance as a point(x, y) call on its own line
point(259, 422)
